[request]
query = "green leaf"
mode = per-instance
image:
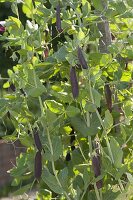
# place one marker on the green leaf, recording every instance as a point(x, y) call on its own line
point(26, 140)
point(86, 8)
point(80, 35)
point(110, 195)
point(54, 106)
point(63, 177)
point(98, 5)
point(127, 194)
point(108, 120)
point(126, 76)
point(36, 92)
point(23, 189)
point(120, 172)
point(28, 8)
point(61, 54)
point(6, 85)
point(51, 118)
point(94, 124)
point(71, 111)
point(117, 152)
point(120, 7)
point(51, 181)
point(90, 107)
point(57, 149)
point(130, 177)
point(130, 2)
point(86, 177)
point(34, 87)
point(79, 125)
point(78, 182)
point(105, 59)
point(3, 102)
point(16, 181)
point(97, 97)
point(20, 169)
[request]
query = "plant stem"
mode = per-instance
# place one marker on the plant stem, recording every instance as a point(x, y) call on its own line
point(53, 165)
point(106, 137)
point(49, 140)
point(97, 192)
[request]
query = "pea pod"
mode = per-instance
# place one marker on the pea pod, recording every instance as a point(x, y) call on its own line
point(58, 19)
point(81, 58)
point(96, 163)
point(97, 169)
point(74, 82)
point(68, 156)
point(108, 96)
point(37, 140)
point(12, 86)
point(38, 165)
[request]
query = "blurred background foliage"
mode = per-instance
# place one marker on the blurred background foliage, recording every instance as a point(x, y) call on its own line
point(6, 63)
point(5, 60)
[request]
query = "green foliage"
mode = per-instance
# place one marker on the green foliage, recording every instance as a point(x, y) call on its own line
point(73, 131)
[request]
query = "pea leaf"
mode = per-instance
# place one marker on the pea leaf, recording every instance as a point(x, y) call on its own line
point(108, 120)
point(22, 190)
point(28, 8)
point(79, 125)
point(97, 97)
point(51, 181)
point(63, 177)
point(71, 111)
point(117, 152)
point(54, 106)
point(57, 149)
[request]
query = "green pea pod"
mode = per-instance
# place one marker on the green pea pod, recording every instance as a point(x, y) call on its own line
point(74, 82)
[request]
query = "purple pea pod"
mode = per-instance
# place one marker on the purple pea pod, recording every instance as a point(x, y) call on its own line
point(97, 170)
point(68, 156)
point(58, 19)
point(37, 140)
point(12, 86)
point(2, 29)
point(38, 165)
point(74, 82)
point(108, 96)
point(8, 115)
point(81, 58)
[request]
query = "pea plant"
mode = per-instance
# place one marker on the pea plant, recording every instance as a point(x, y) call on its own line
point(70, 97)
